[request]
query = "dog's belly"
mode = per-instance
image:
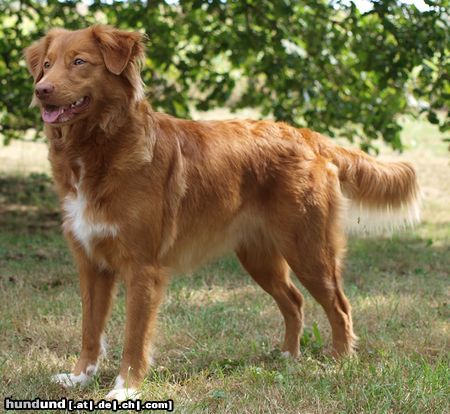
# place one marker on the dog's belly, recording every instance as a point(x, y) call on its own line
point(187, 255)
point(204, 243)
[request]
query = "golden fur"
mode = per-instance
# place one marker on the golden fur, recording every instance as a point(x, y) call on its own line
point(145, 195)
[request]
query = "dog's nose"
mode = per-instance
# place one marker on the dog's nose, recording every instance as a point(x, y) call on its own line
point(43, 90)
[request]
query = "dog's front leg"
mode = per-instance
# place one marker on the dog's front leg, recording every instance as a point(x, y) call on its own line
point(145, 290)
point(97, 291)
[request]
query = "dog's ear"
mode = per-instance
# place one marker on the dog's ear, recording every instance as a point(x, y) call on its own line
point(34, 57)
point(118, 47)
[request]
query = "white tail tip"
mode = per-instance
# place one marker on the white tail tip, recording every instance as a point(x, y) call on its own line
point(367, 220)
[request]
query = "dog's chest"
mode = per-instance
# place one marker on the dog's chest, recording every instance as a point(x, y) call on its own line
point(86, 223)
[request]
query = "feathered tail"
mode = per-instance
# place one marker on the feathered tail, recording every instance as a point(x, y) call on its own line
point(383, 195)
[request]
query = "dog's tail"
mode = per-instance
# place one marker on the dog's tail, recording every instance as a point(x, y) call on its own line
point(383, 195)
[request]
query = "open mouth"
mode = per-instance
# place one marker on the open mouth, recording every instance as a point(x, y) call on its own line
point(55, 114)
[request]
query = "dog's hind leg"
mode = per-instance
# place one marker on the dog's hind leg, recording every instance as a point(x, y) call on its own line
point(314, 247)
point(269, 269)
point(305, 224)
point(319, 272)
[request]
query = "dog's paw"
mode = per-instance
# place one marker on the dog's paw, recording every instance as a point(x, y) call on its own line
point(71, 380)
point(68, 380)
point(122, 394)
point(288, 355)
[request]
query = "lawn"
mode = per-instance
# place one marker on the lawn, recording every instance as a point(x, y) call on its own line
point(218, 337)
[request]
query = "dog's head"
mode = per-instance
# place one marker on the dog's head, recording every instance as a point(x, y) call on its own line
point(85, 73)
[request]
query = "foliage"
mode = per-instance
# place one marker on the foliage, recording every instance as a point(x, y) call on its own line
point(316, 63)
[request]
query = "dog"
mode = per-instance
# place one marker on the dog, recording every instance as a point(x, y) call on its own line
point(145, 195)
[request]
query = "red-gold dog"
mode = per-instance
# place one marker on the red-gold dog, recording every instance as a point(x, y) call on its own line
point(145, 195)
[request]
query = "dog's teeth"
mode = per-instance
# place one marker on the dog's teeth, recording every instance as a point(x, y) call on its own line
point(77, 103)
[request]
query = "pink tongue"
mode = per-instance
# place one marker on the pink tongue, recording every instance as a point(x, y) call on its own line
point(52, 114)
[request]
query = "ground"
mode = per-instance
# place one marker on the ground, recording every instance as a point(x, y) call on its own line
point(217, 344)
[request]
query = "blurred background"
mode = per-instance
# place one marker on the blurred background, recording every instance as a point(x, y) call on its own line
point(346, 68)
point(373, 74)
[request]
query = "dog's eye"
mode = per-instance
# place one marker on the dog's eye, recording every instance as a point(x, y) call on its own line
point(46, 65)
point(79, 61)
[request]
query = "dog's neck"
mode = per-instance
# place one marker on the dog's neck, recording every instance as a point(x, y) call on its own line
point(96, 147)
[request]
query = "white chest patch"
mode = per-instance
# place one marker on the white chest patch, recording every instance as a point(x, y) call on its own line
point(84, 228)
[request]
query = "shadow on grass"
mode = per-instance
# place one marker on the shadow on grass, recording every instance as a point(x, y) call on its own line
point(28, 204)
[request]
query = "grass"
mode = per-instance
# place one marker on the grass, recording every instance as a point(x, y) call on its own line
point(217, 343)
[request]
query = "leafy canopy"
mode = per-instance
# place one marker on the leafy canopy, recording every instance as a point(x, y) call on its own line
point(315, 63)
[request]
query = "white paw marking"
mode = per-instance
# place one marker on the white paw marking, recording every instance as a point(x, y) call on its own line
point(121, 393)
point(71, 380)
point(119, 383)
